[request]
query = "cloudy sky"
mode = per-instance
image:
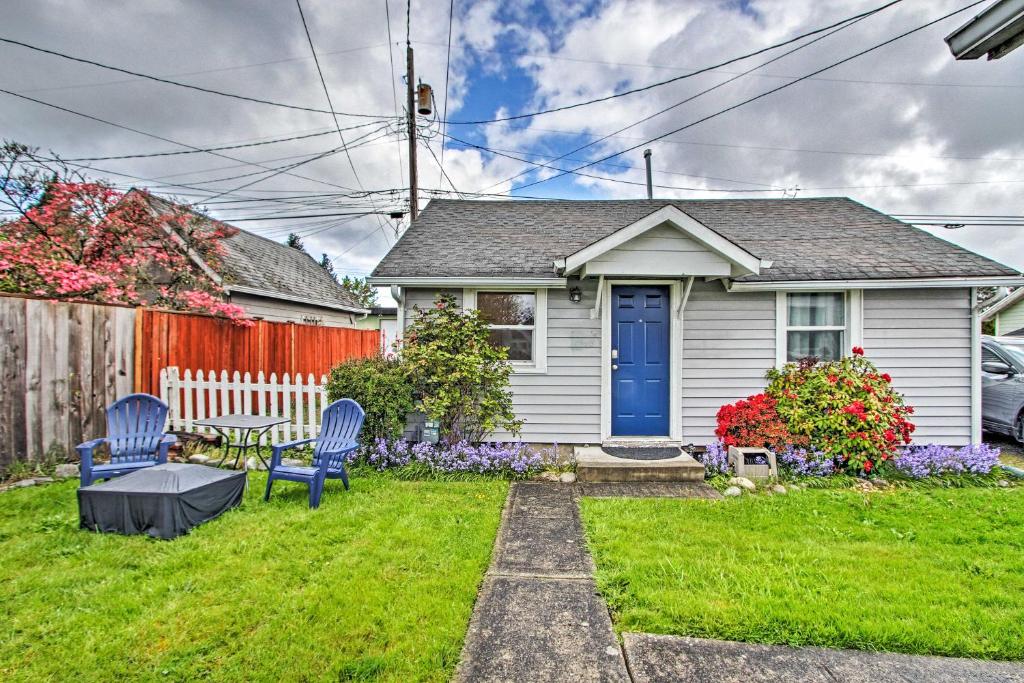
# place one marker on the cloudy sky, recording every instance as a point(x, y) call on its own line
point(905, 129)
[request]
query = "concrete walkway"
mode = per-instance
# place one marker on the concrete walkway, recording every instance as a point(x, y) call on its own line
point(538, 616)
point(657, 659)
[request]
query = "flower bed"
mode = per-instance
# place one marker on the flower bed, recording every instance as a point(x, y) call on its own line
point(508, 459)
point(934, 460)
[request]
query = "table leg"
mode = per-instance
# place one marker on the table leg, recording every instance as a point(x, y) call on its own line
point(258, 454)
point(227, 445)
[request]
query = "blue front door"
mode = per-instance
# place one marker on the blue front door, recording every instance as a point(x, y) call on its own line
point(640, 361)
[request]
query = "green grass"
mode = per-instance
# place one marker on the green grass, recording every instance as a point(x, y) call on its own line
point(929, 571)
point(378, 584)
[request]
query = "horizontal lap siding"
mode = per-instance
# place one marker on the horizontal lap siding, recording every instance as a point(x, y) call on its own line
point(1010, 319)
point(728, 344)
point(564, 404)
point(922, 337)
point(279, 311)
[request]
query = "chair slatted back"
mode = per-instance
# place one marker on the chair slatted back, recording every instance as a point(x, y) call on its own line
point(339, 429)
point(135, 425)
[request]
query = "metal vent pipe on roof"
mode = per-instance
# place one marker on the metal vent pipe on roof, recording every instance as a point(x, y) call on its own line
point(650, 187)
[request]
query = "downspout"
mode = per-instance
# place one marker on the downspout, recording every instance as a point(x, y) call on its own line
point(396, 294)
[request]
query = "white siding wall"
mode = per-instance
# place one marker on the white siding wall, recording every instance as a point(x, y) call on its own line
point(424, 298)
point(922, 337)
point(278, 311)
point(1010, 319)
point(659, 251)
point(728, 344)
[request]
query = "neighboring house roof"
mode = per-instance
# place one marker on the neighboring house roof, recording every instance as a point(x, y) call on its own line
point(1004, 303)
point(255, 265)
point(828, 238)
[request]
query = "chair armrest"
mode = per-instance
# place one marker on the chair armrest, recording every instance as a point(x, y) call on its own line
point(277, 449)
point(85, 451)
point(165, 444)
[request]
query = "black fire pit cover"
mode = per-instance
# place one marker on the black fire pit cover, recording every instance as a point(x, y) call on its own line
point(164, 501)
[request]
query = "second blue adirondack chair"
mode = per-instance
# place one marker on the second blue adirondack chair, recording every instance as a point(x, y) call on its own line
point(339, 430)
point(135, 435)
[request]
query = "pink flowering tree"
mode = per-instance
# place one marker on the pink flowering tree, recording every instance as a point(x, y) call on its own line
point(65, 237)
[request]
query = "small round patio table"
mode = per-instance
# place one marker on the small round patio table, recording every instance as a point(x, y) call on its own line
point(247, 426)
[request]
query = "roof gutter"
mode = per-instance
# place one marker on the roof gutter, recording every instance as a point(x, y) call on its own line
point(468, 281)
point(996, 31)
point(240, 289)
point(891, 283)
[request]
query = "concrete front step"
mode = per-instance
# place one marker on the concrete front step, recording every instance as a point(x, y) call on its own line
point(595, 466)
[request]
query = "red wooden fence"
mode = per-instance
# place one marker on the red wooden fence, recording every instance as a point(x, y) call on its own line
point(198, 342)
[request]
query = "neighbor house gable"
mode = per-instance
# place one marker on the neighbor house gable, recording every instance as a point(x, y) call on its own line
point(667, 242)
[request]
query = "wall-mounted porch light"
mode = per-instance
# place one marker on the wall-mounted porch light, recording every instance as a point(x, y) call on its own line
point(575, 295)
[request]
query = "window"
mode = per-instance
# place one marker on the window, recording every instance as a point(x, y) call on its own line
point(512, 317)
point(816, 325)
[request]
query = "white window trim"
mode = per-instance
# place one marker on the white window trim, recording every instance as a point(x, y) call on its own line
point(853, 302)
point(539, 364)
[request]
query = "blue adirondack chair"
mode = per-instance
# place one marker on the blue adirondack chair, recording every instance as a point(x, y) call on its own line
point(135, 435)
point(339, 430)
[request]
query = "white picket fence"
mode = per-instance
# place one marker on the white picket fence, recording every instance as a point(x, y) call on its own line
point(194, 398)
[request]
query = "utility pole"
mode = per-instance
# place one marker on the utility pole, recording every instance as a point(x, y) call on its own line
point(411, 113)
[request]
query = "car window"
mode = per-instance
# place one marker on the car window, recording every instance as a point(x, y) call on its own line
point(989, 356)
point(1015, 352)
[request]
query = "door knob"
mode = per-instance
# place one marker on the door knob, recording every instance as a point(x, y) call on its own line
point(614, 366)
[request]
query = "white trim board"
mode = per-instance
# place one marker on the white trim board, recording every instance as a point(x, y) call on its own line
point(478, 282)
point(854, 328)
point(708, 238)
point(230, 289)
point(900, 283)
point(675, 361)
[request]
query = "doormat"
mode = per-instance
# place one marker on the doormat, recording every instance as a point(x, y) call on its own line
point(651, 453)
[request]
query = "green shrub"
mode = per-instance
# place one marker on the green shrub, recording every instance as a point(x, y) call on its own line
point(846, 409)
point(380, 386)
point(460, 376)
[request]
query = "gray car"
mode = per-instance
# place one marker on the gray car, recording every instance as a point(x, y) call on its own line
point(1002, 385)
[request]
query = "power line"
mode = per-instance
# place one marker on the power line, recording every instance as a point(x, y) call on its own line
point(674, 79)
point(447, 71)
point(437, 161)
point(327, 94)
point(762, 94)
point(168, 81)
point(394, 78)
point(146, 155)
point(701, 93)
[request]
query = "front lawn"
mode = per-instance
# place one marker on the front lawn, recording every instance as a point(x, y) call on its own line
point(378, 583)
point(925, 571)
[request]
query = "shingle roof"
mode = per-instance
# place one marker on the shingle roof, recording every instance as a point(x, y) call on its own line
point(827, 238)
point(273, 268)
point(260, 263)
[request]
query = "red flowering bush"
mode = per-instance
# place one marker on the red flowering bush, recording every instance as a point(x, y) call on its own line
point(65, 237)
point(753, 422)
point(845, 408)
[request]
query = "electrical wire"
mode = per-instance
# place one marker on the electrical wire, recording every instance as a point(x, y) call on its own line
point(168, 81)
point(674, 79)
point(760, 95)
point(394, 89)
point(447, 72)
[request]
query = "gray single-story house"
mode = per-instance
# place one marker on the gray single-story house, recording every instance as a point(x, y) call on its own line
point(636, 320)
point(1007, 314)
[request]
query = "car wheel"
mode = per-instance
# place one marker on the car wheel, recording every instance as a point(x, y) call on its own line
point(1018, 429)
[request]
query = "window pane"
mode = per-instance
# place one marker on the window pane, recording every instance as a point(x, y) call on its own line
point(816, 309)
point(507, 308)
point(518, 342)
point(820, 345)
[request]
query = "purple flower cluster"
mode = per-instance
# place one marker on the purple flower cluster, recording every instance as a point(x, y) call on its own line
point(933, 460)
point(715, 458)
point(487, 458)
point(805, 462)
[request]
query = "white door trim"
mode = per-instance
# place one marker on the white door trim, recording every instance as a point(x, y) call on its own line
point(675, 361)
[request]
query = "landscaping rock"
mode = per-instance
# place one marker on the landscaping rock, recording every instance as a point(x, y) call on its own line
point(743, 483)
point(567, 477)
point(793, 488)
point(44, 480)
point(732, 492)
point(254, 464)
point(879, 482)
point(66, 471)
point(1004, 483)
point(292, 462)
point(548, 476)
point(23, 483)
point(198, 459)
point(779, 488)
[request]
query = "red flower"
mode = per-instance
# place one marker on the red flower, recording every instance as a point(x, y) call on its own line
point(887, 377)
point(858, 350)
point(867, 465)
point(832, 379)
point(890, 435)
